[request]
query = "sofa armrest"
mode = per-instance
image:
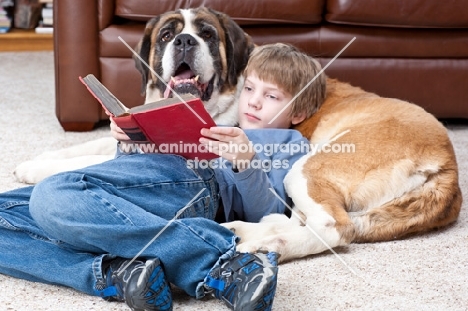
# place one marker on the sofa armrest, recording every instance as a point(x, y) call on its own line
point(106, 10)
point(76, 47)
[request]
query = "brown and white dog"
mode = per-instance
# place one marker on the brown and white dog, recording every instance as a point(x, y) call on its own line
point(198, 51)
point(400, 177)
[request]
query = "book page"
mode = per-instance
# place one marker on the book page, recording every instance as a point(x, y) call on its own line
point(161, 103)
point(104, 96)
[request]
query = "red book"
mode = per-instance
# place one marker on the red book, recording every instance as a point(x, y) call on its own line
point(173, 124)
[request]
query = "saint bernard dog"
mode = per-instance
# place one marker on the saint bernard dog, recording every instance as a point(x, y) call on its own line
point(198, 51)
point(381, 169)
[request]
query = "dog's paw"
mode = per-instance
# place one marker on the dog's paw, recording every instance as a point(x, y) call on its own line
point(234, 226)
point(254, 247)
point(30, 172)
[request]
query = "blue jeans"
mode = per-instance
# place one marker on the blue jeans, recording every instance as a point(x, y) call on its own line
point(61, 230)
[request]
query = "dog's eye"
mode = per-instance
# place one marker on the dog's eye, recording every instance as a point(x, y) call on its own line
point(166, 36)
point(206, 34)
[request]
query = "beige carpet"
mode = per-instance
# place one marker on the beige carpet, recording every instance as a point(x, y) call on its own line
point(427, 272)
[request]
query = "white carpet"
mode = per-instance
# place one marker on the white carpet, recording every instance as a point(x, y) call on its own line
point(427, 272)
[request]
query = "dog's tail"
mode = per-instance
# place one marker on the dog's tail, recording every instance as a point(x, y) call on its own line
point(435, 204)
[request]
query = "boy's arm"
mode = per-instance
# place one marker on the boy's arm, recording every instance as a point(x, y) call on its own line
point(267, 170)
point(255, 185)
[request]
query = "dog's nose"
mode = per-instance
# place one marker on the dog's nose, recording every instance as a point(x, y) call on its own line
point(185, 41)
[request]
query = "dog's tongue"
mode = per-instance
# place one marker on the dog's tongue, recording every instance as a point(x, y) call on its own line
point(186, 74)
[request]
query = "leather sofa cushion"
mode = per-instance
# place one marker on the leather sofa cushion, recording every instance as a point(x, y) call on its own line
point(399, 13)
point(243, 12)
point(325, 41)
point(393, 42)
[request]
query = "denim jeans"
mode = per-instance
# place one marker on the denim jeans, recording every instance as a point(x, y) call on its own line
point(61, 230)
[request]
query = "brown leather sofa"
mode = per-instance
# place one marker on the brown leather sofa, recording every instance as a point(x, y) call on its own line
point(415, 50)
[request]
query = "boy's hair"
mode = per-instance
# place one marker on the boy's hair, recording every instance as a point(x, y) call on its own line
point(291, 70)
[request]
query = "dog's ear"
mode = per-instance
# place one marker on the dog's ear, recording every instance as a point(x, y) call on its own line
point(143, 49)
point(239, 45)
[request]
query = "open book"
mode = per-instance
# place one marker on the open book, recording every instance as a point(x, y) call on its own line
point(172, 125)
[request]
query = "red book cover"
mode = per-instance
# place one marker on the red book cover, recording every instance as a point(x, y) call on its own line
point(173, 125)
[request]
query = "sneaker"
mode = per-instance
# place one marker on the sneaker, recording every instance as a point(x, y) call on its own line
point(246, 281)
point(142, 285)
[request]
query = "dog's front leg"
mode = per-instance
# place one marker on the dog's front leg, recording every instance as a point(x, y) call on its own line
point(67, 159)
point(268, 225)
point(291, 240)
point(32, 172)
point(274, 233)
point(296, 242)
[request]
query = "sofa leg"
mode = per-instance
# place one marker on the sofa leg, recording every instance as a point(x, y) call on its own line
point(77, 126)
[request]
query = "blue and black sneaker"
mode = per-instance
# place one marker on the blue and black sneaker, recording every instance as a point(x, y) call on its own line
point(246, 282)
point(142, 285)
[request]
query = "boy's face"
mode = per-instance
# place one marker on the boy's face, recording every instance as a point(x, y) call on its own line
point(260, 102)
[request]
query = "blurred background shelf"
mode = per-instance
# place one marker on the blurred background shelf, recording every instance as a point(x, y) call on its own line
point(25, 40)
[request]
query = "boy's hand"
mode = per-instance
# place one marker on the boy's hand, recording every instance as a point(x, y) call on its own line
point(231, 143)
point(117, 132)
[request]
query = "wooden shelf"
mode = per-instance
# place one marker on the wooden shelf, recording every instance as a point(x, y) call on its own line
point(25, 40)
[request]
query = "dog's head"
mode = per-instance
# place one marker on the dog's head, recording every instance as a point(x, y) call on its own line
point(198, 51)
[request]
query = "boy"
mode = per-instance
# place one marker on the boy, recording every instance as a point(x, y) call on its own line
point(81, 228)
